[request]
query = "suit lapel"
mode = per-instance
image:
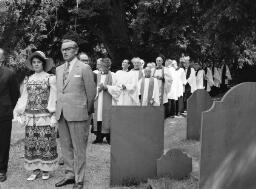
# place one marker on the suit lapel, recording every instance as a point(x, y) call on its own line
point(70, 75)
point(60, 76)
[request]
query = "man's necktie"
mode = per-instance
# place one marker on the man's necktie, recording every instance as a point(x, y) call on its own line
point(66, 72)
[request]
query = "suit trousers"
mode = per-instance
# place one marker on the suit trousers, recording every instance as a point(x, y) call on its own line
point(74, 139)
point(5, 139)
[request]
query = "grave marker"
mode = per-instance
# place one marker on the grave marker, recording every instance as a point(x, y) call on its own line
point(137, 141)
point(228, 142)
point(198, 102)
point(175, 164)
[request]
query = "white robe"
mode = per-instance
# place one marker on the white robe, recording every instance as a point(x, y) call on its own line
point(124, 97)
point(164, 87)
point(100, 99)
point(216, 77)
point(131, 81)
point(228, 75)
point(200, 79)
point(177, 87)
point(155, 95)
point(209, 79)
point(192, 79)
point(99, 95)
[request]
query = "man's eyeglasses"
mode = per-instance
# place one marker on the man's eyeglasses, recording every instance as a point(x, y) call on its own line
point(67, 49)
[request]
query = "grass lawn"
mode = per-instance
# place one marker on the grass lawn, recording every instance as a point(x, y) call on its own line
point(98, 163)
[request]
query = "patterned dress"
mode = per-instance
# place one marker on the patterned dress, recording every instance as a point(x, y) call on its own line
point(38, 103)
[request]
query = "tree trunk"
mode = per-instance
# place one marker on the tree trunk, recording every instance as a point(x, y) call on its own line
point(115, 36)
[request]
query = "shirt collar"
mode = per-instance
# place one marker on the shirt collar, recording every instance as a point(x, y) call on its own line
point(72, 62)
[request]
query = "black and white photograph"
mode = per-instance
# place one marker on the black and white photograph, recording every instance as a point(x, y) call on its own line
point(127, 94)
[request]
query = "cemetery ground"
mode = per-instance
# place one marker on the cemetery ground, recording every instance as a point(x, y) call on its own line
point(98, 163)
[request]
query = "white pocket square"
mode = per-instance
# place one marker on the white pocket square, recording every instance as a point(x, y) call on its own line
point(77, 75)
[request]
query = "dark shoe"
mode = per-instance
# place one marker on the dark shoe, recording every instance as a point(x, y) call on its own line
point(108, 139)
point(97, 141)
point(61, 161)
point(3, 177)
point(64, 182)
point(78, 185)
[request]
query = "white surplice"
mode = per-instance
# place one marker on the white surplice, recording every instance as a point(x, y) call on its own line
point(227, 74)
point(164, 87)
point(100, 99)
point(155, 95)
point(177, 87)
point(200, 79)
point(216, 77)
point(128, 96)
point(209, 79)
point(192, 79)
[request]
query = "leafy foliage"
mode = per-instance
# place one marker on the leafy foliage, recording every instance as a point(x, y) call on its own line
point(204, 29)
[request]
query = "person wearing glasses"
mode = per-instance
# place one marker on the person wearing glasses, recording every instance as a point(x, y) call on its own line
point(76, 91)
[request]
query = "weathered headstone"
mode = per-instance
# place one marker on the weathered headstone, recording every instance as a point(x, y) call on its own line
point(175, 164)
point(228, 141)
point(137, 141)
point(198, 102)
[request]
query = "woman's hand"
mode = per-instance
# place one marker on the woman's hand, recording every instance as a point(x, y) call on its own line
point(22, 120)
point(53, 122)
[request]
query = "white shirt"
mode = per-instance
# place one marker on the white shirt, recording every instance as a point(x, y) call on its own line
point(71, 64)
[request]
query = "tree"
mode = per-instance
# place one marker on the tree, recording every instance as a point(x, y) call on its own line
point(229, 27)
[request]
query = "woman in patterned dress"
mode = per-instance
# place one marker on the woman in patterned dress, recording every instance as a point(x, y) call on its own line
point(35, 109)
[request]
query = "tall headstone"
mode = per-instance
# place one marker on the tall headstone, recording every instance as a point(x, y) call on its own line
point(198, 102)
point(228, 141)
point(137, 141)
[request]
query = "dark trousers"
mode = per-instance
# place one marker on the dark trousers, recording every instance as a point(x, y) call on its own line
point(223, 87)
point(175, 106)
point(5, 139)
point(99, 135)
point(214, 91)
point(166, 110)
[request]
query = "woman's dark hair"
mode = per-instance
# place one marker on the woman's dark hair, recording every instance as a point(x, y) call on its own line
point(41, 59)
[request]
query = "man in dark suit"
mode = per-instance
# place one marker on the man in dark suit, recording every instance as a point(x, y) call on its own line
point(9, 94)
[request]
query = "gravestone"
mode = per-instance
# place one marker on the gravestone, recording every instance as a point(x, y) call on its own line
point(228, 141)
point(137, 141)
point(175, 164)
point(198, 102)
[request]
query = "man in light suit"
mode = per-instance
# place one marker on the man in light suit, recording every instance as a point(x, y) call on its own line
point(76, 91)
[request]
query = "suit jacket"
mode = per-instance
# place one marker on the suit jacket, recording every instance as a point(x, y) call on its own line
point(75, 99)
point(9, 93)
